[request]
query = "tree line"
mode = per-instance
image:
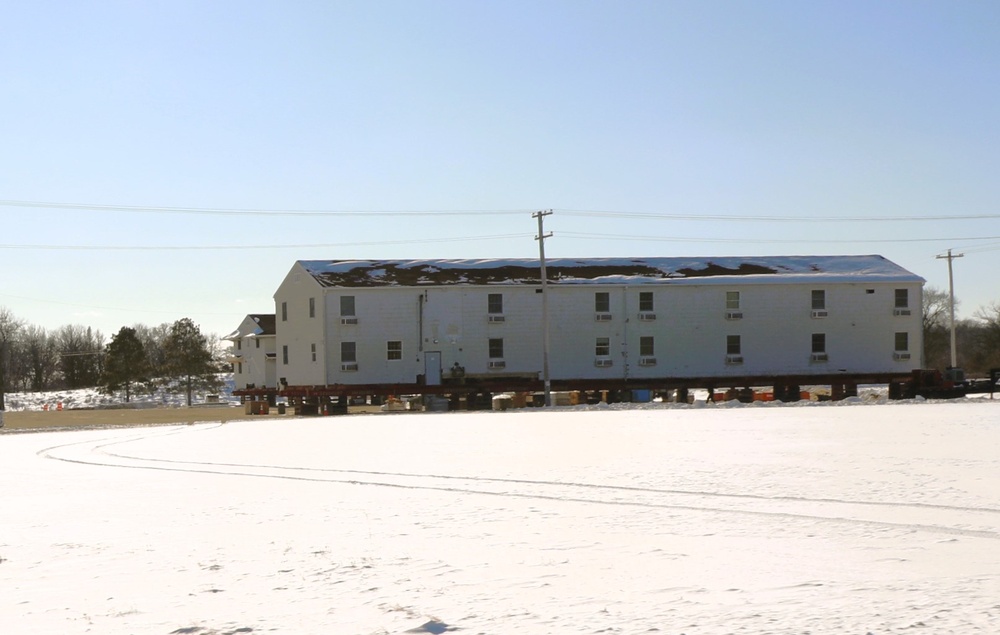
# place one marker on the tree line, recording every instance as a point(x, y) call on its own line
point(179, 356)
point(977, 339)
point(176, 356)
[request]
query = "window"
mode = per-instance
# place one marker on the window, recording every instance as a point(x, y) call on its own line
point(646, 348)
point(902, 298)
point(602, 302)
point(284, 354)
point(312, 350)
point(496, 348)
point(645, 300)
point(312, 307)
point(818, 299)
point(394, 349)
point(494, 303)
point(256, 341)
point(348, 352)
point(284, 311)
point(732, 300)
point(347, 305)
point(902, 342)
point(239, 345)
point(603, 347)
point(733, 345)
point(819, 342)
point(239, 368)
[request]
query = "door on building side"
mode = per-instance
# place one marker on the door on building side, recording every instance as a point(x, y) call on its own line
point(432, 368)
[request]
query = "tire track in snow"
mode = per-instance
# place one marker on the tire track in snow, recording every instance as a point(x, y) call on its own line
point(426, 482)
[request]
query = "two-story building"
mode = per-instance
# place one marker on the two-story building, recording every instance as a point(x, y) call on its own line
point(616, 321)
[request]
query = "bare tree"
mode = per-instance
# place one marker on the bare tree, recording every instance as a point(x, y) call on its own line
point(80, 351)
point(988, 344)
point(936, 314)
point(9, 328)
point(37, 359)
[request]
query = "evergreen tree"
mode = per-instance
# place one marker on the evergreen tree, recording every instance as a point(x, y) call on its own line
point(188, 358)
point(124, 362)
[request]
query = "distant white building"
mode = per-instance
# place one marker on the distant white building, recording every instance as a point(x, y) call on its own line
point(374, 322)
point(253, 352)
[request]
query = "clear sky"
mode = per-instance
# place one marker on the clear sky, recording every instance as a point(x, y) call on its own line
point(701, 128)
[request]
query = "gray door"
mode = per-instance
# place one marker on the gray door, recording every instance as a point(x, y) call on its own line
point(432, 368)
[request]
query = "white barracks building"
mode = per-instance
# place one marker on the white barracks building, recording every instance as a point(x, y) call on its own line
point(623, 321)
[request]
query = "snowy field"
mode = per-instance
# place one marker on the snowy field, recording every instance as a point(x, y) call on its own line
point(820, 519)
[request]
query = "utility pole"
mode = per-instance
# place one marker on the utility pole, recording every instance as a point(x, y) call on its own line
point(545, 304)
point(951, 305)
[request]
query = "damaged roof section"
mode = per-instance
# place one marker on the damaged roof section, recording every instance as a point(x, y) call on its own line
point(517, 271)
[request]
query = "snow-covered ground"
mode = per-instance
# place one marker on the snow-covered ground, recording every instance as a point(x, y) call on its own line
point(842, 519)
point(94, 398)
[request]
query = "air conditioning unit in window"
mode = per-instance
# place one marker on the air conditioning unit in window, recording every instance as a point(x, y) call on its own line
point(820, 313)
point(603, 362)
point(819, 357)
point(899, 312)
point(900, 357)
point(497, 364)
point(647, 361)
point(349, 367)
point(734, 359)
point(348, 320)
point(602, 317)
point(496, 319)
point(734, 315)
point(647, 317)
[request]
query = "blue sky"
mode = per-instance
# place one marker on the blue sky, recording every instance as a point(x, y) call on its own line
point(705, 128)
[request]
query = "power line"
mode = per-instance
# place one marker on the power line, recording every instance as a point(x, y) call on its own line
point(410, 241)
point(208, 211)
point(648, 238)
point(770, 218)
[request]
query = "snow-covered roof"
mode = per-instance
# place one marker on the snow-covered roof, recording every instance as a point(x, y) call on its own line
point(254, 325)
point(514, 271)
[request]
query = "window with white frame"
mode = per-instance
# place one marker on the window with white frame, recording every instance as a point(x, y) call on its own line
point(902, 297)
point(602, 302)
point(734, 345)
point(732, 300)
point(394, 349)
point(645, 301)
point(348, 352)
point(647, 346)
point(494, 303)
point(312, 350)
point(284, 311)
point(902, 342)
point(818, 343)
point(347, 306)
point(496, 347)
point(602, 347)
point(818, 299)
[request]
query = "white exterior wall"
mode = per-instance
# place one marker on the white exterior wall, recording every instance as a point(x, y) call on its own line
point(689, 331)
point(297, 331)
point(249, 355)
point(254, 366)
point(451, 321)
